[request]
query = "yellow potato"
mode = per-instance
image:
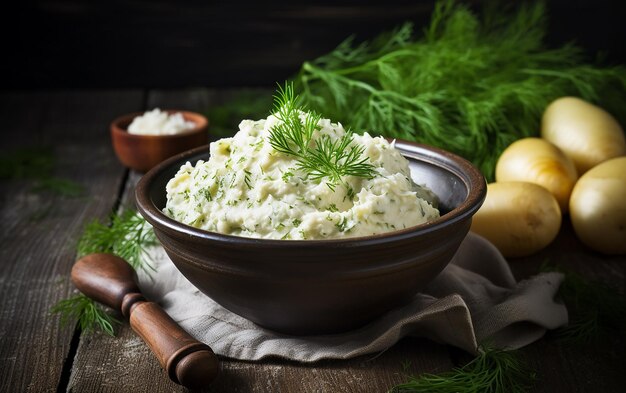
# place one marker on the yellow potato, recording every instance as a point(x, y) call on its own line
point(519, 218)
point(538, 161)
point(598, 207)
point(588, 134)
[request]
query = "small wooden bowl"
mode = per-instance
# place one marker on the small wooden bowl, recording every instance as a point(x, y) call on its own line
point(142, 152)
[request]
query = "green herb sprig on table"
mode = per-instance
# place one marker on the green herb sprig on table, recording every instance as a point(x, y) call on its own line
point(127, 236)
point(37, 164)
point(596, 309)
point(90, 315)
point(469, 85)
point(492, 371)
point(322, 158)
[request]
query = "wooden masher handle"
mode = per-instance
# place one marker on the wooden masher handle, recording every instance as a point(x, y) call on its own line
point(110, 280)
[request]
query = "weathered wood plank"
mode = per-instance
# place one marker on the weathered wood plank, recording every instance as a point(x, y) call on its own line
point(117, 364)
point(411, 356)
point(39, 230)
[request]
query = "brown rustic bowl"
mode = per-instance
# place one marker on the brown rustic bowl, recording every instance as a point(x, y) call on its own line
point(320, 286)
point(142, 152)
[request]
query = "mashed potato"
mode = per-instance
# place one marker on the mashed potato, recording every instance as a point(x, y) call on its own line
point(247, 188)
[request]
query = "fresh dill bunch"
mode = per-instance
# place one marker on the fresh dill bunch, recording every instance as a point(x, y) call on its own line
point(596, 309)
point(127, 236)
point(88, 313)
point(26, 163)
point(327, 158)
point(59, 186)
point(37, 164)
point(469, 85)
point(492, 371)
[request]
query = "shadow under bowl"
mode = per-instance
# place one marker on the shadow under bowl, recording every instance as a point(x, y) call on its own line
point(305, 287)
point(142, 152)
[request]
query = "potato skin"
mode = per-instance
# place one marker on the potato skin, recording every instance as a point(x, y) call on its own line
point(598, 207)
point(587, 133)
point(519, 218)
point(538, 161)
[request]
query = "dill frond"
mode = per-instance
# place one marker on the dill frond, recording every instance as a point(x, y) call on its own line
point(89, 315)
point(37, 164)
point(59, 186)
point(327, 158)
point(492, 371)
point(26, 163)
point(596, 309)
point(469, 85)
point(127, 236)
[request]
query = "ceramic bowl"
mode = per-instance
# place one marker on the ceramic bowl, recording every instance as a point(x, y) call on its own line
point(142, 152)
point(305, 287)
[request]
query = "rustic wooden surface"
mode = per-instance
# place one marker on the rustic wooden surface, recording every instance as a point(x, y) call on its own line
point(38, 237)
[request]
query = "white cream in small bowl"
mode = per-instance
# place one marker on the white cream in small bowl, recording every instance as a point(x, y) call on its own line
point(156, 122)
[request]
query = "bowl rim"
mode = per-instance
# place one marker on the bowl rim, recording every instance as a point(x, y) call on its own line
point(201, 124)
point(473, 178)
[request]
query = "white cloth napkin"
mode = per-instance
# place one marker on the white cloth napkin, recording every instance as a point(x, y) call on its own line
point(475, 299)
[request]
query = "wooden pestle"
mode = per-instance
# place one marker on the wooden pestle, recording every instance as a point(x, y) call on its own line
point(110, 280)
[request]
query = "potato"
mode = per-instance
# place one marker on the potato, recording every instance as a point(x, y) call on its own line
point(538, 161)
point(598, 207)
point(519, 218)
point(586, 133)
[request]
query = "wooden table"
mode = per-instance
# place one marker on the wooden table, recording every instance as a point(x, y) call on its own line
point(38, 247)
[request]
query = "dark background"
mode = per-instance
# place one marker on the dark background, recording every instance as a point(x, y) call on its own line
point(171, 44)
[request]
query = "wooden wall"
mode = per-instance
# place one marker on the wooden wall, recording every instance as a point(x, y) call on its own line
point(161, 43)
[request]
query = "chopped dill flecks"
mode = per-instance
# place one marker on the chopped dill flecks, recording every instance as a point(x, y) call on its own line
point(246, 178)
point(207, 195)
point(342, 225)
point(287, 175)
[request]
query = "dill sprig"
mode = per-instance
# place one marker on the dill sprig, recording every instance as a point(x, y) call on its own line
point(596, 309)
point(37, 164)
point(89, 314)
point(127, 236)
point(469, 85)
point(327, 158)
point(492, 371)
